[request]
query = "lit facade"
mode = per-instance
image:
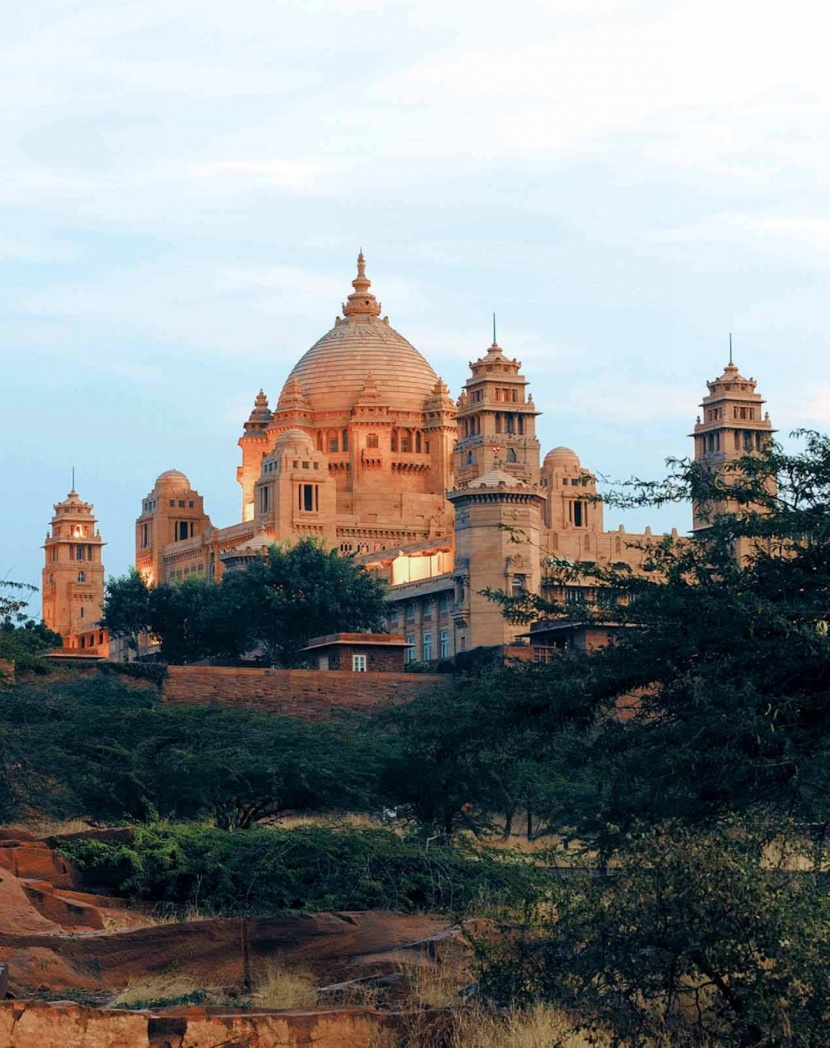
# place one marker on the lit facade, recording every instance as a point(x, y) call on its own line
point(366, 451)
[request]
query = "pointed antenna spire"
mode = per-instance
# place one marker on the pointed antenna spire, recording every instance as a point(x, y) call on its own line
point(494, 329)
point(731, 362)
point(73, 478)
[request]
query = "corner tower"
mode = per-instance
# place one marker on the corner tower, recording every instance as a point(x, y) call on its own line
point(732, 424)
point(73, 572)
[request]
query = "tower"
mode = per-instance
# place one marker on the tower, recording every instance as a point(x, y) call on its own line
point(73, 573)
point(732, 424)
point(173, 518)
point(254, 445)
point(496, 422)
point(498, 531)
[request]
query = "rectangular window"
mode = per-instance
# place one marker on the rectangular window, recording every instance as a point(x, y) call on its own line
point(444, 603)
point(358, 663)
point(145, 535)
point(182, 530)
point(429, 604)
point(427, 647)
point(445, 644)
point(372, 440)
point(410, 651)
point(410, 612)
point(333, 444)
point(265, 498)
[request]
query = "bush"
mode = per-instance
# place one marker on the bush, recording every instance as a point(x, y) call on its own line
point(265, 871)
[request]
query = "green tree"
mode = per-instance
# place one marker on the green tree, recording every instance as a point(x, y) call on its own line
point(723, 764)
point(22, 638)
point(127, 608)
point(297, 592)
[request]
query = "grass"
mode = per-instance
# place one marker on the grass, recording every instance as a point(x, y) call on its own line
point(42, 827)
point(167, 990)
point(476, 1027)
point(282, 987)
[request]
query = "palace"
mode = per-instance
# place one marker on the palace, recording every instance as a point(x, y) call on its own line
point(367, 451)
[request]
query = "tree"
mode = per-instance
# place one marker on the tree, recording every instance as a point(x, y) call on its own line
point(297, 592)
point(275, 606)
point(127, 608)
point(711, 801)
point(22, 638)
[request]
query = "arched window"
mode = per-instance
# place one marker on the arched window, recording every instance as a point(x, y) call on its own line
point(418, 442)
point(81, 576)
point(394, 440)
point(344, 443)
point(511, 455)
point(334, 443)
point(319, 440)
point(470, 460)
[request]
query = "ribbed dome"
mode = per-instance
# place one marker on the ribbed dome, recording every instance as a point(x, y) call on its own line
point(294, 438)
point(332, 374)
point(172, 478)
point(561, 457)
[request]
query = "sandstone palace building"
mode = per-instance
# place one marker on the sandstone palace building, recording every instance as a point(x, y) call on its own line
point(366, 450)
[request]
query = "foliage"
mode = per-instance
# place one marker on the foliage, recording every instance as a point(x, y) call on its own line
point(458, 760)
point(704, 723)
point(127, 608)
point(274, 606)
point(265, 871)
point(99, 748)
point(720, 936)
point(22, 638)
point(294, 593)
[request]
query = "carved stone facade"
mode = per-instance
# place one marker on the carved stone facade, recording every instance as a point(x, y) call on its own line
point(366, 451)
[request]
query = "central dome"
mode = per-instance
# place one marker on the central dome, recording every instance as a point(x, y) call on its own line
point(361, 347)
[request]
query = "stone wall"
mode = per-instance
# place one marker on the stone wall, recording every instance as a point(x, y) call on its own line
point(308, 694)
point(35, 1024)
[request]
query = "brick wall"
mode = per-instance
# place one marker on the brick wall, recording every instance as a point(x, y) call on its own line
point(309, 694)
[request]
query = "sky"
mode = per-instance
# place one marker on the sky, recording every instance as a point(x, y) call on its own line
point(184, 187)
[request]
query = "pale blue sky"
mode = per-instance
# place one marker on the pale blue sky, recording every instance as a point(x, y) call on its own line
point(185, 186)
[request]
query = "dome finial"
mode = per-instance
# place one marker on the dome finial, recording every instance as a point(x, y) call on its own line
point(361, 302)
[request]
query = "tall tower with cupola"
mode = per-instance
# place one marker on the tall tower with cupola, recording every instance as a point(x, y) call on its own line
point(732, 424)
point(496, 422)
point(73, 572)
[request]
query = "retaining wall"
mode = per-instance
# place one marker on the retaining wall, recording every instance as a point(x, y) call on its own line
point(308, 694)
point(34, 1024)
